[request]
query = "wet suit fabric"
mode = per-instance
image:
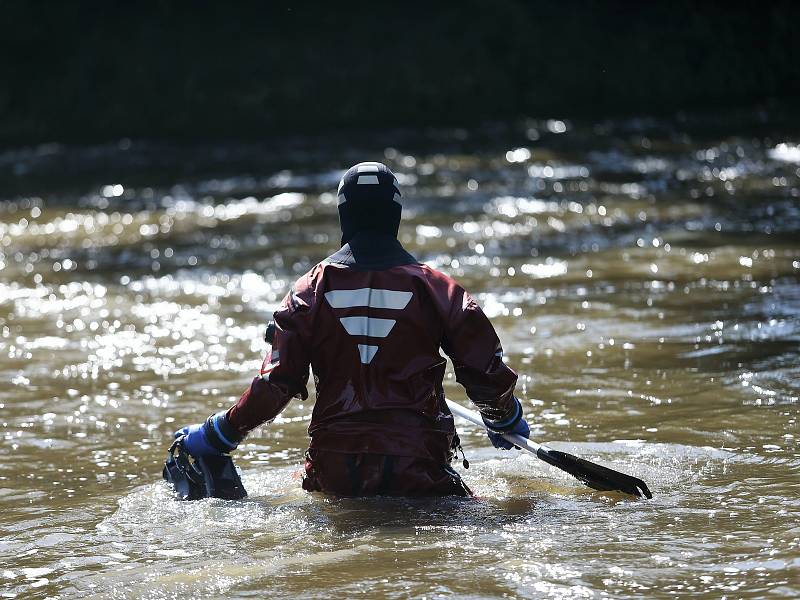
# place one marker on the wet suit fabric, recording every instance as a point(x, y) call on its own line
point(344, 474)
point(370, 321)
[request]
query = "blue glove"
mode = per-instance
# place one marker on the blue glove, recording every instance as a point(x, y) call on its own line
point(498, 441)
point(516, 423)
point(214, 437)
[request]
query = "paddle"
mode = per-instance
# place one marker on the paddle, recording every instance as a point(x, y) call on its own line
point(595, 476)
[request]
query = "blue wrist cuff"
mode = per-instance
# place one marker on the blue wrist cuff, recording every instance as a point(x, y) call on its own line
point(220, 433)
point(216, 422)
point(508, 423)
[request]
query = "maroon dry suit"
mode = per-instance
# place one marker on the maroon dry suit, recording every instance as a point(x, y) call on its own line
point(370, 321)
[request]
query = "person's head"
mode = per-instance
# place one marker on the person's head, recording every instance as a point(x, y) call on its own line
point(369, 200)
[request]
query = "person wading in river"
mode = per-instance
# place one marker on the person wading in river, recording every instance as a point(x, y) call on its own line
point(370, 320)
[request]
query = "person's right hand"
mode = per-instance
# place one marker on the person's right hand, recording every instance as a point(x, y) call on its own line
point(498, 441)
point(514, 423)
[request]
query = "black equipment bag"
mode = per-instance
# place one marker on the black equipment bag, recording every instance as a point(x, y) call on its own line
point(204, 477)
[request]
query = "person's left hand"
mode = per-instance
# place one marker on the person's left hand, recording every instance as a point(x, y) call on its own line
point(196, 441)
point(212, 438)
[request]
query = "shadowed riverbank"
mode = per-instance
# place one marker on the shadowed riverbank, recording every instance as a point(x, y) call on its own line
point(94, 71)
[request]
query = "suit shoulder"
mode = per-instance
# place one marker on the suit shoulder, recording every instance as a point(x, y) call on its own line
point(310, 279)
point(438, 278)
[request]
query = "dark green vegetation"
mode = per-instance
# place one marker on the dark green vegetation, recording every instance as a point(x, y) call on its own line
point(92, 71)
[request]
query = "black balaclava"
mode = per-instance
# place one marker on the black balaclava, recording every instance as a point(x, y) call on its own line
point(369, 200)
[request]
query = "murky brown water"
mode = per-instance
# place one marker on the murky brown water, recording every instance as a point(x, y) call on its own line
point(645, 281)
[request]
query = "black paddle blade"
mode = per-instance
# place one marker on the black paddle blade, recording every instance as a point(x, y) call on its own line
point(595, 476)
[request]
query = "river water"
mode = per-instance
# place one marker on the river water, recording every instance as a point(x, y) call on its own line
point(643, 275)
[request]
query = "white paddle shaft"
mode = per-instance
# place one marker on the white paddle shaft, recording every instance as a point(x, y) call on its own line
point(474, 417)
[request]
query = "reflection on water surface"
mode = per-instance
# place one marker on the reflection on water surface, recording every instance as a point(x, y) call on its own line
point(643, 276)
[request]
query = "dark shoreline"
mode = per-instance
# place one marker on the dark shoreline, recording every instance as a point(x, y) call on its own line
point(37, 169)
point(90, 72)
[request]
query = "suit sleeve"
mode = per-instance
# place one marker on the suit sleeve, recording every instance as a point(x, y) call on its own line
point(284, 372)
point(472, 344)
